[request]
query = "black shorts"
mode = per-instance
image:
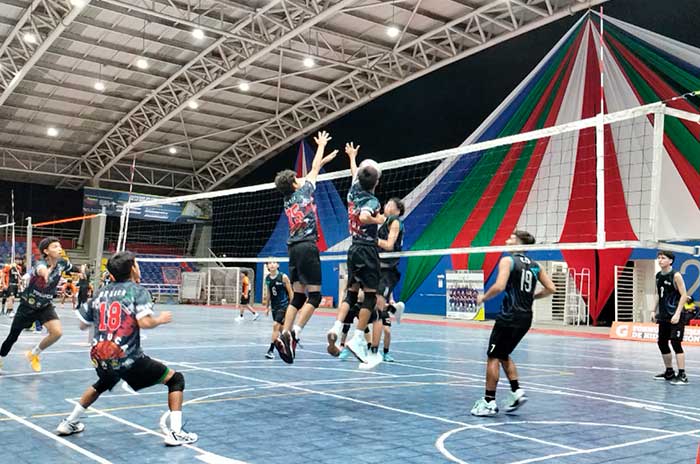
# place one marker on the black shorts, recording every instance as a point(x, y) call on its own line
point(304, 263)
point(26, 315)
point(388, 279)
point(279, 314)
point(11, 290)
point(668, 331)
point(363, 266)
point(144, 373)
point(504, 339)
point(245, 300)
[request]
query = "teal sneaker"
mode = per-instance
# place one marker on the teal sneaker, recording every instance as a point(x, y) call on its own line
point(344, 355)
point(483, 408)
point(388, 358)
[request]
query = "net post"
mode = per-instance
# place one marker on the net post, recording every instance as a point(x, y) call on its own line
point(122, 233)
point(28, 264)
point(656, 170)
point(600, 181)
point(101, 227)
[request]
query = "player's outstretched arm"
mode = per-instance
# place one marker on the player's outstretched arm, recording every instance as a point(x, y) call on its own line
point(351, 150)
point(151, 322)
point(501, 281)
point(319, 160)
point(546, 281)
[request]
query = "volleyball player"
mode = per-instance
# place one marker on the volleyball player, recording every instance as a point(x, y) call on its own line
point(364, 220)
point(518, 276)
point(118, 312)
point(84, 286)
point(245, 298)
point(671, 296)
point(304, 257)
point(390, 236)
point(279, 294)
point(36, 302)
point(12, 276)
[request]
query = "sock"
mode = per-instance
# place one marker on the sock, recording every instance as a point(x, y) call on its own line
point(272, 348)
point(490, 395)
point(369, 345)
point(36, 350)
point(77, 412)
point(297, 331)
point(337, 328)
point(375, 349)
point(386, 350)
point(514, 385)
point(681, 371)
point(176, 421)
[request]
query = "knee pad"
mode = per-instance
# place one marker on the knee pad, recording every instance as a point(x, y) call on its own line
point(315, 299)
point(677, 348)
point(663, 346)
point(350, 298)
point(176, 383)
point(298, 300)
point(370, 301)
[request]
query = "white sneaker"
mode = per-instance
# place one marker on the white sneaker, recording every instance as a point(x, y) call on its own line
point(180, 438)
point(358, 347)
point(373, 360)
point(270, 355)
point(256, 316)
point(515, 400)
point(399, 311)
point(69, 428)
point(484, 408)
point(240, 318)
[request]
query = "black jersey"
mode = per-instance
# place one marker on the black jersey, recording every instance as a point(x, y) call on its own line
point(300, 208)
point(669, 296)
point(277, 291)
point(383, 234)
point(516, 308)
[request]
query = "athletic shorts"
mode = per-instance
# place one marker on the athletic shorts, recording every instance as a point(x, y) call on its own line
point(504, 339)
point(144, 373)
point(363, 265)
point(245, 300)
point(388, 279)
point(304, 263)
point(11, 290)
point(26, 315)
point(668, 331)
point(279, 314)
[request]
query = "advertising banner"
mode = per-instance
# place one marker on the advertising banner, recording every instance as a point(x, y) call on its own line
point(191, 212)
point(648, 332)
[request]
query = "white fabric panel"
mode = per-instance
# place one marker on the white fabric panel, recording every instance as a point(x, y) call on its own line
point(545, 210)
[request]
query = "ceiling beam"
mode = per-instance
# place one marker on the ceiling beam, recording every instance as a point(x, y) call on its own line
point(45, 20)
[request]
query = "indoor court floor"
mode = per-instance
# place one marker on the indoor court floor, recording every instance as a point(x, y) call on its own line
point(591, 400)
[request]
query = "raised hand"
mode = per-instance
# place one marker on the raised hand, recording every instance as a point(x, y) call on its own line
point(329, 157)
point(322, 138)
point(351, 149)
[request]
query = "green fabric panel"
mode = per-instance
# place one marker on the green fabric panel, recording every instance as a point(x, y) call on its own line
point(490, 226)
point(451, 217)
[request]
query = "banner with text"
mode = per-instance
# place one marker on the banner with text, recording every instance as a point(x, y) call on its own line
point(113, 201)
point(648, 332)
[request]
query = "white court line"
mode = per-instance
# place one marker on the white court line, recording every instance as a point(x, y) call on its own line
point(56, 438)
point(377, 405)
point(148, 431)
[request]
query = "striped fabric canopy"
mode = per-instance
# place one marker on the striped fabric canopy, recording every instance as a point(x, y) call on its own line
point(548, 186)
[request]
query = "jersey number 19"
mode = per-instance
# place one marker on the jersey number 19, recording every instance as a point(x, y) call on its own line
point(526, 281)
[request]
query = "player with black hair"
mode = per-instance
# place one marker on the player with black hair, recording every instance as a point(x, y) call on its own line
point(671, 296)
point(118, 312)
point(304, 257)
point(364, 220)
point(279, 294)
point(36, 302)
point(518, 276)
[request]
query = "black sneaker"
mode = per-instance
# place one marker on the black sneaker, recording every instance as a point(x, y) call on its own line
point(680, 379)
point(284, 347)
point(270, 355)
point(668, 376)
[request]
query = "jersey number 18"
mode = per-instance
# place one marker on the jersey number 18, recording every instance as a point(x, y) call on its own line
point(113, 319)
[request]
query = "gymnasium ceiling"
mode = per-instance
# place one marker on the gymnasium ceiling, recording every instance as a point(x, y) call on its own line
point(199, 92)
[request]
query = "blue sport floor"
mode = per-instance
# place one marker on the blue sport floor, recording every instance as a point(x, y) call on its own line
point(591, 400)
